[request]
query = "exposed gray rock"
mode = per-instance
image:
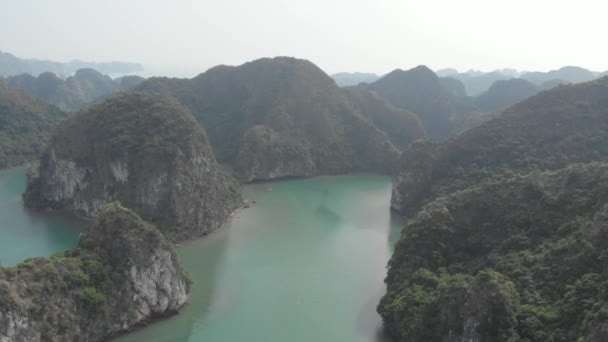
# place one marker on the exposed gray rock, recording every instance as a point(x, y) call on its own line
point(146, 151)
point(412, 175)
point(123, 273)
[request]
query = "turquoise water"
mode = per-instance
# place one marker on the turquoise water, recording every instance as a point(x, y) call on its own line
point(25, 233)
point(305, 263)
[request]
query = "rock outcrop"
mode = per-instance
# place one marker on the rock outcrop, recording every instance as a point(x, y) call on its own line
point(146, 151)
point(514, 259)
point(122, 274)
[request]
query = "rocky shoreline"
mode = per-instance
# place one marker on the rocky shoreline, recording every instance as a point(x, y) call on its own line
point(122, 274)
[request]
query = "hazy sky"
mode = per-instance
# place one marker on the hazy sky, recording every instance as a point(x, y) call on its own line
point(337, 35)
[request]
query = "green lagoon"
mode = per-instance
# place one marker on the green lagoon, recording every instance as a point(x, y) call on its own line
point(305, 263)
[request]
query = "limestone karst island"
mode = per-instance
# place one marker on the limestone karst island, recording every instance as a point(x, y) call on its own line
point(319, 171)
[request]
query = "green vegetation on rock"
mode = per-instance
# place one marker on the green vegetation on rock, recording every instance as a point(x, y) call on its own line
point(516, 259)
point(504, 93)
point(75, 92)
point(296, 101)
point(506, 238)
point(123, 273)
point(565, 125)
point(420, 91)
point(400, 126)
point(145, 150)
point(25, 126)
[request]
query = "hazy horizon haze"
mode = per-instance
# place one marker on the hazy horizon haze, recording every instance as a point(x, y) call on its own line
point(189, 37)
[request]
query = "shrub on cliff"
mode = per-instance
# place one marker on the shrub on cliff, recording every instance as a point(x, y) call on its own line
point(122, 273)
point(514, 259)
point(25, 126)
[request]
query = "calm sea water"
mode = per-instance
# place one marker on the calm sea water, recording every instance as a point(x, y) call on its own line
point(25, 233)
point(305, 263)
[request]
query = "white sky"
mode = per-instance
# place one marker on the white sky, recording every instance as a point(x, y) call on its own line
point(338, 35)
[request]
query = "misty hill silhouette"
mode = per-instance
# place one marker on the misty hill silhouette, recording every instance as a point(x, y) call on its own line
point(420, 91)
point(11, 65)
point(73, 93)
point(505, 93)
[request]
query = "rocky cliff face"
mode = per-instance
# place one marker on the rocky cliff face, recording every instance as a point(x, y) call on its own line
point(146, 151)
point(123, 273)
point(513, 259)
point(413, 173)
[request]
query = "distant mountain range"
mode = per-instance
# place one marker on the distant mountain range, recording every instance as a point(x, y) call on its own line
point(344, 79)
point(291, 109)
point(11, 65)
point(74, 92)
point(476, 82)
point(570, 74)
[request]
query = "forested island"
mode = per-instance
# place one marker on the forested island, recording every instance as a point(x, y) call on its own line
point(501, 179)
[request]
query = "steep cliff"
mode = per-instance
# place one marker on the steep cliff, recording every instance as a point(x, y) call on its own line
point(296, 101)
point(515, 259)
point(146, 151)
point(122, 274)
point(565, 125)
